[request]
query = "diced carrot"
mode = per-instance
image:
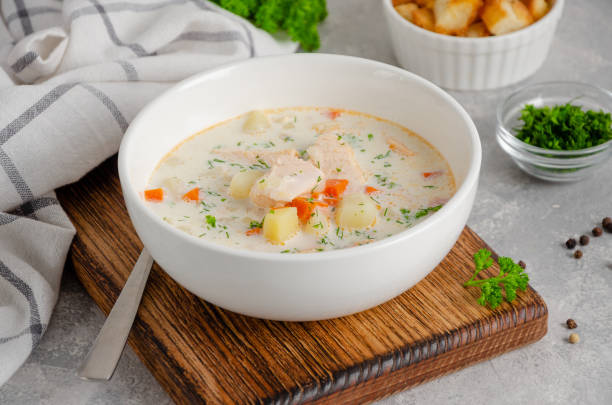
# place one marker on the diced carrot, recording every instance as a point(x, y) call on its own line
point(332, 202)
point(304, 207)
point(431, 174)
point(192, 195)
point(315, 195)
point(333, 114)
point(335, 187)
point(253, 231)
point(320, 203)
point(156, 194)
point(371, 190)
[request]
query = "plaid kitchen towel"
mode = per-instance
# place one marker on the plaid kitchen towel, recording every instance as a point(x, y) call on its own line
point(73, 76)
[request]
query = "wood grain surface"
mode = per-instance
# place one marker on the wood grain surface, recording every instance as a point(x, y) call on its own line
point(201, 353)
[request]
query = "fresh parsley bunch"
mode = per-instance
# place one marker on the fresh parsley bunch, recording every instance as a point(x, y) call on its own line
point(564, 127)
point(510, 278)
point(298, 17)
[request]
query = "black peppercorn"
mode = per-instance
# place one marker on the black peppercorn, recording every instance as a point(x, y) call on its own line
point(584, 240)
point(522, 264)
point(578, 254)
point(571, 324)
point(597, 231)
point(571, 243)
point(607, 224)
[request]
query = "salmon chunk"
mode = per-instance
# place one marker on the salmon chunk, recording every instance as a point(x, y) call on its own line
point(398, 147)
point(288, 178)
point(336, 159)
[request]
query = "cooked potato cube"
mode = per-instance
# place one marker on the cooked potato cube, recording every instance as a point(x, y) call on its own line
point(505, 16)
point(242, 182)
point(317, 224)
point(477, 30)
point(256, 121)
point(405, 10)
point(281, 224)
point(356, 211)
point(455, 16)
point(424, 18)
point(537, 8)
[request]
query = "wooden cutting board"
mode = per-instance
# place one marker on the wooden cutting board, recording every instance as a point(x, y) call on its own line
point(203, 354)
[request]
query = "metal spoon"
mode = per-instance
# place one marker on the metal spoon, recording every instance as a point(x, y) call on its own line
point(105, 352)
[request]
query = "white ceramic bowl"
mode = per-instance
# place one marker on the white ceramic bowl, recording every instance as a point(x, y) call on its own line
point(309, 286)
point(460, 63)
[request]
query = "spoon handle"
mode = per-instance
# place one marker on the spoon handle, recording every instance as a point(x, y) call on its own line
point(105, 352)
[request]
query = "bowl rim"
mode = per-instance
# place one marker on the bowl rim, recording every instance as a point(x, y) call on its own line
point(554, 12)
point(463, 192)
point(506, 134)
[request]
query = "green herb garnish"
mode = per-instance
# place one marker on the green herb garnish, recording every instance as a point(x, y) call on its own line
point(406, 213)
point(425, 211)
point(381, 156)
point(511, 276)
point(211, 220)
point(564, 127)
point(255, 224)
point(298, 17)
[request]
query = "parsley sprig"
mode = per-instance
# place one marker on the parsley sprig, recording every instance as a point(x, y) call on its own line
point(511, 277)
point(299, 18)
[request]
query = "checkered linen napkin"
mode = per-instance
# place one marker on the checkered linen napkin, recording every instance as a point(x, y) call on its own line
point(73, 76)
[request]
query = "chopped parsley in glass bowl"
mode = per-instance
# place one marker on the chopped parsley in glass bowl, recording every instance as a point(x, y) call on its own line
point(557, 131)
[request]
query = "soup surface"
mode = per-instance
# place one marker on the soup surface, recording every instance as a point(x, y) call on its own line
point(300, 180)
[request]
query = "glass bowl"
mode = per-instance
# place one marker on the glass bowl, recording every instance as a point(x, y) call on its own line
point(547, 164)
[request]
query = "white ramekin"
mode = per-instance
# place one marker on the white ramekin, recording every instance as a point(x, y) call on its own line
point(308, 286)
point(459, 63)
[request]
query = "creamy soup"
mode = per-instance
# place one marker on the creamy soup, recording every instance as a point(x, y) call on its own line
point(300, 180)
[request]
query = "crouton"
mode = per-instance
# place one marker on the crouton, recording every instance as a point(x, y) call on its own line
point(455, 16)
point(505, 16)
point(405, 10)
point(537, 8)
point(477, 30)
point(399, 2)
point(425, 3)
point(424, 18)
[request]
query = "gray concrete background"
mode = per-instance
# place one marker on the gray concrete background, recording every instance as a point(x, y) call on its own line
point(519, 216)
